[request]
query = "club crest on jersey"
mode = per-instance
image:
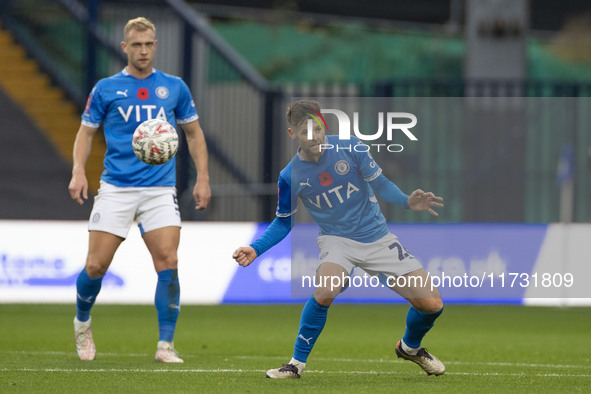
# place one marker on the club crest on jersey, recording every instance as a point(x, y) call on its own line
point(143, 94)
point(325, 178)
point(342, 167)
point(162, 92)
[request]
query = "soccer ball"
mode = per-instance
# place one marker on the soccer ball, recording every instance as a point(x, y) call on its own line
point(155, 141)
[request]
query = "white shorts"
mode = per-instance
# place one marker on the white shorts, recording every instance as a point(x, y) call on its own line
point(383, 258)
point(115, 208)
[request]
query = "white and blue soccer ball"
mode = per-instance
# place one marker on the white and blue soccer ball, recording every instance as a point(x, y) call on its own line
point(155, 141)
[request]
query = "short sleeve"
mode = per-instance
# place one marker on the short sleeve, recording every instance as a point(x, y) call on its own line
point(368, 167)
point(94, 112)
point(185, 111)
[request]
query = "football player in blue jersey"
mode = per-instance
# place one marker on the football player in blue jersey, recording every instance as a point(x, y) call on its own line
point(337, 188)
point(132, 189)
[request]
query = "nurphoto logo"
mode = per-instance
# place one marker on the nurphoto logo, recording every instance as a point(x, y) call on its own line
point(394, 121)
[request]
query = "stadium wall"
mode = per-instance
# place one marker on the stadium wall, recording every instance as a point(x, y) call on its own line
point(40, 261)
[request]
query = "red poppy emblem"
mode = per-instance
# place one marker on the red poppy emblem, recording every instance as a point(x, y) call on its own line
point(325, 178)
point(143, 94)
point(88, 103)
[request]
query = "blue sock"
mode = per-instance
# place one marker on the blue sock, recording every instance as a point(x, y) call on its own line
point(417, 325)
point(86, 291)
point(167, 301)
point(311, 325)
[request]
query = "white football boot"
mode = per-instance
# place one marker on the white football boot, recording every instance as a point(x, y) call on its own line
point(166, 353)
point(84, 343)
point(424, 359)
point(286, 371)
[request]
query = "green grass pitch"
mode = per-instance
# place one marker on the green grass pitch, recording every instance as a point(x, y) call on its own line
point(228, 348)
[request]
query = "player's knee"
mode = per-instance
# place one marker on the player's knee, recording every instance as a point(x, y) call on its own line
point(168, 262)
point(437, 305)
point(95, 269)
point(324, 301)
point(431, 305)
point(325, 296)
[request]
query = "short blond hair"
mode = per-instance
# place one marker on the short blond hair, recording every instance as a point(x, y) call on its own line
point(139, 24)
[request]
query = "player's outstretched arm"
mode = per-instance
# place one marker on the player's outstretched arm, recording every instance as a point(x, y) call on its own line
point(388, 191)
point(78, 186)
point(277, 230)
point(424, 201)
point(245, 255)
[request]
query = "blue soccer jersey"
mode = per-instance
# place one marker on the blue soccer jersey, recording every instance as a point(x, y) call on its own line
point(335, 191)
point(121, 103)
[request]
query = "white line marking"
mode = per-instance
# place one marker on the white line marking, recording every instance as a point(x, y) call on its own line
point(382, 360)
point(56, 353)
point(142, 370)
point(353, 360)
